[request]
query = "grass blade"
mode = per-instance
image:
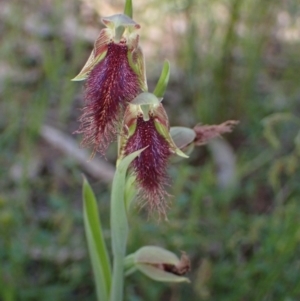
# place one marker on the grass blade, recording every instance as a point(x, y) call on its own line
point(96, 244)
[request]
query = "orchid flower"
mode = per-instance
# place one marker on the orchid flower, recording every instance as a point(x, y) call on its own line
point(114, 75)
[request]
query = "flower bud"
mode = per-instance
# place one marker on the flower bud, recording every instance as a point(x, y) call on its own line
point(159, 264)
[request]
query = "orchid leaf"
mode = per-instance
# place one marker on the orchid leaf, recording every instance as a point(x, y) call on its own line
point(128, 8)
point(161, 86)
point(96, 243)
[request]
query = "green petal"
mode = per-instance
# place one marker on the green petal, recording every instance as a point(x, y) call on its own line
point(97, 55)
point(155, 255)
point(182, 136)
point(89, 65)
point(137, 63)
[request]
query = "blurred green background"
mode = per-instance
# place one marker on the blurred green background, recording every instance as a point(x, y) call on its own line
point(236, 202)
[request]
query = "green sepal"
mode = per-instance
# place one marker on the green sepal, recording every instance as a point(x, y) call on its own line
point(90, 64)
point(146, 101)
point(155, 255)
point(163, 81)
point(117, 20)
point(150, 261)
point(159, 275)
point(146, 98)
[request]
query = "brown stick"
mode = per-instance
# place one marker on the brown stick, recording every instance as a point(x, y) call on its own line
point(97, 168)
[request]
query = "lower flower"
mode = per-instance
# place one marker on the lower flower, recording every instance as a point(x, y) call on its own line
point(149, 129)
point(150, 167)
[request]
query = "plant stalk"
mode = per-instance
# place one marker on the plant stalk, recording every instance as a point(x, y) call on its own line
point(119, 226)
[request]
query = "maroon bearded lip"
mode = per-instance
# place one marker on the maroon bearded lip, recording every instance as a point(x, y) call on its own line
point(110, 85)
point(150, 167)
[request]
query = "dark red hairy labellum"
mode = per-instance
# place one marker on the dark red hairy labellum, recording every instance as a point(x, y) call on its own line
point(150, 166)
point(110, 85)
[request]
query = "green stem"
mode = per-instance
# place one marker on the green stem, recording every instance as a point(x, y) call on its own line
point(119, 226)
point(118, 279)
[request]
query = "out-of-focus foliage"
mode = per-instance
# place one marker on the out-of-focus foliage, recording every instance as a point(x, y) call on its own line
point(230, 59)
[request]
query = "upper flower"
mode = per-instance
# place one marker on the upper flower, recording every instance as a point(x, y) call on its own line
point(115, 75)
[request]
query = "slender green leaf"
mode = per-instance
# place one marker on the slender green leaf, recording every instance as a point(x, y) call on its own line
point(96, 244)
point(128, 8)
point(161, 86)
point(119, 226)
